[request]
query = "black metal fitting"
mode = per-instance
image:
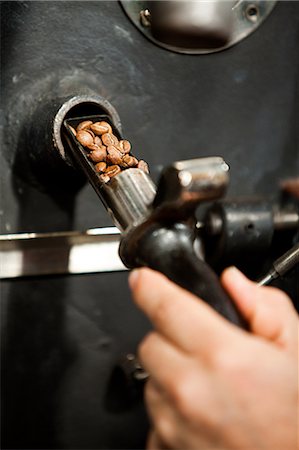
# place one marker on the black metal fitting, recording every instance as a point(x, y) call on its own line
point(237, 226)
point(242, 231)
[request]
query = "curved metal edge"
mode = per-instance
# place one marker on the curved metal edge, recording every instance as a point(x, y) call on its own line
point(243, 25)
point(97, 100)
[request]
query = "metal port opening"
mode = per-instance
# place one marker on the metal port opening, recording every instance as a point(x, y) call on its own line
point(81, 106)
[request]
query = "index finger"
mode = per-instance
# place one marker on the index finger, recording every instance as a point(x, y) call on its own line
point(178, 315)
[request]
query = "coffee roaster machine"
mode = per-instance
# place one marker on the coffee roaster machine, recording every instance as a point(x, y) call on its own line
point(206, 93)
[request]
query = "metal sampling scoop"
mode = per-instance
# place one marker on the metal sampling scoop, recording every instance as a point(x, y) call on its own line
point(127, 196)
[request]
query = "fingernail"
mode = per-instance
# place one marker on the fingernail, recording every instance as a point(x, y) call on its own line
point(232, 269)
point(133, 278)
point(237, 275)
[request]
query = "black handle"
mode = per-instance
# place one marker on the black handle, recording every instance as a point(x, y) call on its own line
point(170, 250)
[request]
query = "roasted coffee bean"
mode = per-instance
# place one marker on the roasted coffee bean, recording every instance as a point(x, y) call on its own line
point(97, 140)
point(93, 147)
point(143, 166)
point(129, 161)
point(101, 166)
point(83, 125)
point(112, 170)
point(84, 138)
point(109, 155)
point(90, 132)
point(109, 139)
point(100, 128)
point(114, 155)
point(98, 155)
point(124, 146)
point(107, 125)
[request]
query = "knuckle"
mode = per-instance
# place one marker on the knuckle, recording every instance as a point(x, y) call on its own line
point(233, 361)
point(189, 398)
point(162, 312)
point(183, 395)
point(224, 361)
point(166, 428)
point(160, 417)
point(150, 392)
point(279, 297)
point(146, 345)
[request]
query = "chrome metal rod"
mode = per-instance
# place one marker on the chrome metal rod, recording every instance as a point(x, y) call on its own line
point(71, 252)
point(281, 266)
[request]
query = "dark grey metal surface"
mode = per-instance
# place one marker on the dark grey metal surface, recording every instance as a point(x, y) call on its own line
point(62, 336)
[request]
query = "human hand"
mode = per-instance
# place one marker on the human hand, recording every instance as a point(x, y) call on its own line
point(213, 385)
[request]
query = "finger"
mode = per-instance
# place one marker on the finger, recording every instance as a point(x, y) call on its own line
point(154, 442)
point(179, 384)
point(166, 364)
point(268, 310)
point(178, 315)
point(162, 417)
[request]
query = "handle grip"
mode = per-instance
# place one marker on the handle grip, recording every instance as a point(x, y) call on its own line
point(169, 249)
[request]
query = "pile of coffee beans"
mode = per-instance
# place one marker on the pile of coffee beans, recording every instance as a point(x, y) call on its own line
point(108, 154)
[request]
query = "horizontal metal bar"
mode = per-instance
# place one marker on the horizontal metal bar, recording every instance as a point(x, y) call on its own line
point(72, 252)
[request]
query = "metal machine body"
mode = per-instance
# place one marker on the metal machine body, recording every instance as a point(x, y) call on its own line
point(62, 336)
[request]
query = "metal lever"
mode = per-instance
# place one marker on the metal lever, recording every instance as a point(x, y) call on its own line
point(166, 240)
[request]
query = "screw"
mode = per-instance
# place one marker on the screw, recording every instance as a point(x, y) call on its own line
point(134, 368)
point(252, 13)
point(145, 17)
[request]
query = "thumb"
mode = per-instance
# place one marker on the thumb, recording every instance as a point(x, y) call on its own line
point(268, 311)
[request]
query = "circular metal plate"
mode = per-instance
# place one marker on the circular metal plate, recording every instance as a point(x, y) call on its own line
point(247, 17)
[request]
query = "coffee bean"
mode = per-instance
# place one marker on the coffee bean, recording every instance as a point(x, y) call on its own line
point(90, 132)
point(84, 138)
point(129, 161)
point(114, 155)
point(109, 155)
point(109, 139)
point(112, 170)
point(143, 166)
point(107, 125)
point(100, 128)
point(97, 140)
point(101, 166)
point(83, 125)
point(93, 147)
point(124, 146)
point(98, 155)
